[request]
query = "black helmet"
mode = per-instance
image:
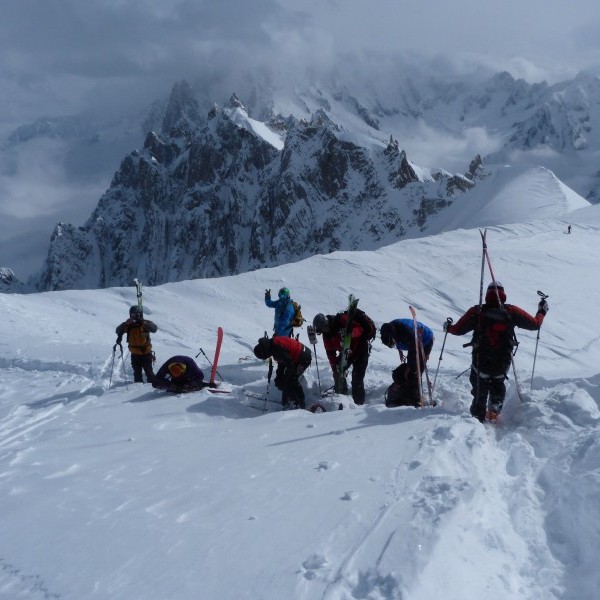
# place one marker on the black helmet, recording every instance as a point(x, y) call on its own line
point(387, 335)
point(136, 312)
point(262, 350)
point(321, 323)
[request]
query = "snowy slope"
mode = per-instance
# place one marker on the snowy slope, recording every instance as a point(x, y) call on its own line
point(125, 492)
point(509, 194)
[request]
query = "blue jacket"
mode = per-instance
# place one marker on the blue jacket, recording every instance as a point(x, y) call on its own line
point(405, 331)
point(284, 313)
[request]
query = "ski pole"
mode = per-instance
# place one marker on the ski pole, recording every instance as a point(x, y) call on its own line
point(209, 362)
point(124, 371)
point(112, 365)
point(312, 337)
point(543, 297)
point(448, 322)
point(426, 370)
point(270, 372)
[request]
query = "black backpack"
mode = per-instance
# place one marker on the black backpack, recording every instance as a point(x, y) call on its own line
point(366, 323)
point(496, 335)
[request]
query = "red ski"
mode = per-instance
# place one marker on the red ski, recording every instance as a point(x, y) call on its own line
point(213, 373)
point(413, 312)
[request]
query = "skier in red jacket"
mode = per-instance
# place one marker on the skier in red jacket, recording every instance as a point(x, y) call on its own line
point(493, 341)
point(332, 326)
point(293, 358)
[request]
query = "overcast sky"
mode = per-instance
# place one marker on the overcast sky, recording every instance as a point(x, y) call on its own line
point(53, 51)
point(59, 57)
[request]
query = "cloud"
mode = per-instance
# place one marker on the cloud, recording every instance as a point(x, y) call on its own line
point(107, 57)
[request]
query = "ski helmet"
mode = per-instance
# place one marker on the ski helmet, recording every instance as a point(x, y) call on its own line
point(321, 323)
point(491, 297)
point(176, 369)
point(387, 335)
point(284, 293)
point(262, 350)
point(136, 312)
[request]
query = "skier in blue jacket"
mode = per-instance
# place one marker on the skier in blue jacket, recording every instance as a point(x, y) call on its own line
point(284, 311)
point(400, 333)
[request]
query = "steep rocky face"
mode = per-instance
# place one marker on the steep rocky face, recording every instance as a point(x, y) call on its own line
point(221, 200)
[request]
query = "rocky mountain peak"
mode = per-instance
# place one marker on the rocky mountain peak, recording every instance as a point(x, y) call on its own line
point(183, 113)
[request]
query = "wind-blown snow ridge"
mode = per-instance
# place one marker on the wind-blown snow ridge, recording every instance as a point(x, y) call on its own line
point(125, 492)
point(510, 195)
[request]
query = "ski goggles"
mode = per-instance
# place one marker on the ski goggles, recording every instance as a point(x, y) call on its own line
point(176, 369)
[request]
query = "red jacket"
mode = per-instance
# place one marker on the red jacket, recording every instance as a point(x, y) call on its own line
point(494, 362)
point(286, 349)
point(520, 318)
point(333, 339)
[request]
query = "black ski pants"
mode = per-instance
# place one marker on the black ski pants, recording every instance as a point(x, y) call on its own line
point(142, 362)
point(287, 380)
point(484, 387)
point(359, 362)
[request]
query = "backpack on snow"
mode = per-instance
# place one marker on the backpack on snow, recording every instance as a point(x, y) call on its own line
point(297, 319)
point(403, 391)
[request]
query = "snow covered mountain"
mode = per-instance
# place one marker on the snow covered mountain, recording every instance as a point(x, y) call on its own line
point(239, 194)
point(308, 168)
point(110, 489)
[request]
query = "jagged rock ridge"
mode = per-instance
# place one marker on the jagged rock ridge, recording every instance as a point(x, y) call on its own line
point(238, 194)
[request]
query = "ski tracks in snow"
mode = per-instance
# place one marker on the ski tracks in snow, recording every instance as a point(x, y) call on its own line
point(417, 535)
point(372, 556)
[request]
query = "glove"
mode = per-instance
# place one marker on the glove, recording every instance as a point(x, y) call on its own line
point(543, 307)
point(446, 324)
point(268, 293)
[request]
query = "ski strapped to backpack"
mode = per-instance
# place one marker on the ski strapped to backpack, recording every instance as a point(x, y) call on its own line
point(138, 294)
point(345, 349)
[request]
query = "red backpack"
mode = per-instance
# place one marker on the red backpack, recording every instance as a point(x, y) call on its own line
point(496, 331)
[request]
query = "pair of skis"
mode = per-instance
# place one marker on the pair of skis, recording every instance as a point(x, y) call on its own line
point(346, 334)
point(421, 360)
